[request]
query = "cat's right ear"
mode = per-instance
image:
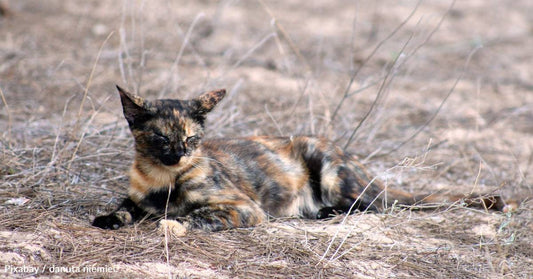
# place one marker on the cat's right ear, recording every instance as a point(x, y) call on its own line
point(134, 107)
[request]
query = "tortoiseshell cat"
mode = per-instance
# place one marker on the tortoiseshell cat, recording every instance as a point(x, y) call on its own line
point(217, 184)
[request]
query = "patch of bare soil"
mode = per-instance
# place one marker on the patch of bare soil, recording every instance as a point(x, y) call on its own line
point(433, 96)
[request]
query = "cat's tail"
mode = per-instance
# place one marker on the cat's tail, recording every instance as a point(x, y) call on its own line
point(372, 194)
point(490, 201)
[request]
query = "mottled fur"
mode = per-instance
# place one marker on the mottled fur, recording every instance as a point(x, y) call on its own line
point(218, 184)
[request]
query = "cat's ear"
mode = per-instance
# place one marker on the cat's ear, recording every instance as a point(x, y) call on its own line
point(207, 101)
point(134, 107)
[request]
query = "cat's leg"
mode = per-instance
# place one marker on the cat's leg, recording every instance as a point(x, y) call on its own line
point(346, 186)
point(223, 216)
point(221, 213)
point(127, 213)
point(340, 184)
point(214, 218)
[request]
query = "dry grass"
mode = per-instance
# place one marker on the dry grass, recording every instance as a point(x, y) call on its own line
point(65, 148)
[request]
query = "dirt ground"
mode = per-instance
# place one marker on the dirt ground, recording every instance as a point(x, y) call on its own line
point(443, 95)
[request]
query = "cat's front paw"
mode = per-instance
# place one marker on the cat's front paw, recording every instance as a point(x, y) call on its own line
point(173, 227)
point(108, 222)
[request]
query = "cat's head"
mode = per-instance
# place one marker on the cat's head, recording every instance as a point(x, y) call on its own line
point(166, 130)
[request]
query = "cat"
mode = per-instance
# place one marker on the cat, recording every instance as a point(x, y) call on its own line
point(218, 184)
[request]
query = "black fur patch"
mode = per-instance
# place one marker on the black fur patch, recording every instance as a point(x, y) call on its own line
point(108, 222)
point(158, 199)
point(135, 211)
point(314, 163)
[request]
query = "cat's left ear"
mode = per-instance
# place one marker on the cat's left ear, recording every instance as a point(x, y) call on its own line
point(207, 101)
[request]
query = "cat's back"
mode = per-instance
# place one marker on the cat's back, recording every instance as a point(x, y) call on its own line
point(277, 170)
point(266, 147)
point(255, 154)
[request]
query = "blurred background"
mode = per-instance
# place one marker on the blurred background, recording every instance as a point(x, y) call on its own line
point(431, 95)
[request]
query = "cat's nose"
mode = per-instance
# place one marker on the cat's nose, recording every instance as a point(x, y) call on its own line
point(170, 159)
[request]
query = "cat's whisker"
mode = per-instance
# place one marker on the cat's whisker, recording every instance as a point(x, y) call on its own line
point(208, 159)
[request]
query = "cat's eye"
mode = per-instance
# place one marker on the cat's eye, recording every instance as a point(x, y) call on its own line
point(162, 138)
point(192, 139)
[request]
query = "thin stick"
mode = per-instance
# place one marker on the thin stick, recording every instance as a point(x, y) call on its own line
point(273, 120)
point(74, 153)
point(437, 27)
point(452, 89)
point(346, 217)
point(90, 80)
point(476, 181)
point(187, 38)
point(386, 81)
point(55, 153)
point(284, 33)
point(297, 102)
point(9, 121)
point(352, 38)
point(247, 54)
point(403, 62)
point(142, 63)
point(175, 66)
point(251, 50)
point(166, 231)
point(356, 72)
